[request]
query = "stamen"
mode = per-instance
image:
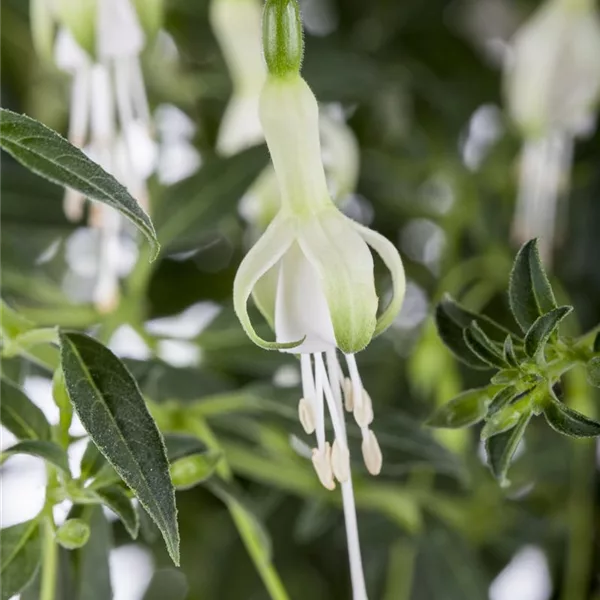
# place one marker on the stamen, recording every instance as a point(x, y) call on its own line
point(321, 459)
point(334, 372)
point(306, 415)
point(319, 405)
point(363, 411)
point(357, 385)
point(340, 461)
point(371, 452)
point(348, 397)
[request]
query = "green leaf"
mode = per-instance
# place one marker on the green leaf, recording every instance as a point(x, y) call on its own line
point(529, 291)
point(190, 471)
point(506, 418)
point(452, 335)
point(73, 533)
point(596, 344)
point(482, 346)
point(501, 448)
point(49, 451)
point(13, 325)
point(117, 500)
point(502, 398)
point(506, 376)
point(46, 153)
point(20, 556)
point(113, 412)
point(167, 583)
point(466, 409)
point(20, 415)
point(542, 329)
point(509, 352)
point(464, 317)
point(569, 422)
point(593, 371)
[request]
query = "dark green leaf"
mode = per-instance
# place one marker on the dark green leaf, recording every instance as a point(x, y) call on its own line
point(504, 397)
point(20, 556)
point(112, 410)
point(167, 583)
point(464, 410)
point(593, 371)
point(117, 500)
point(93, 574)
point(482, 346)
point(542, 329)
point(190, 471)
point(452, 335)
point(509, 352)
point(464, 317)
point(193, 207)
point(46, 153)
point(49, 451)
point(529, 291)
point(569, 422)
point(501, 448)
point(20, 415)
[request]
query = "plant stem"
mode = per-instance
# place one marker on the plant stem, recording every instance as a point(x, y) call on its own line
point(263, 565)
point(581, 499)
point(49, 558)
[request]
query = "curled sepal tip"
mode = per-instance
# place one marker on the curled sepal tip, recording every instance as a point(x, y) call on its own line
point(283, 45)
point(262, 256)
point(390, 257)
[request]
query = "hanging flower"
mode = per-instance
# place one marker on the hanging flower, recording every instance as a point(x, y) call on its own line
point(311, 274)
point(552, 83)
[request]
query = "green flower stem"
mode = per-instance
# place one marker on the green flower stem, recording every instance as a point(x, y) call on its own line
point(581, 500)
point(265, 568)
point(49, 545)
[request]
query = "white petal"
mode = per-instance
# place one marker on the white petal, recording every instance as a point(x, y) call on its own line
point(301, 309)
point(345, 266)
point(262, 256)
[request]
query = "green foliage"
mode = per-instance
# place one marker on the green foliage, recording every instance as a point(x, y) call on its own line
point(527, 372)
point(111, 408)
point(20, 557)
point(48, 451)
point(20, 415)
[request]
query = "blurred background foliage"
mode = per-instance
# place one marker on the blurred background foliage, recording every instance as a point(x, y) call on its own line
point(421, 86)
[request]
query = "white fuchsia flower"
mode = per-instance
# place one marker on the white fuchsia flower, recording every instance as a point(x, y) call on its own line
point(552, 86)
point(98, 43)
point(311, 273)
